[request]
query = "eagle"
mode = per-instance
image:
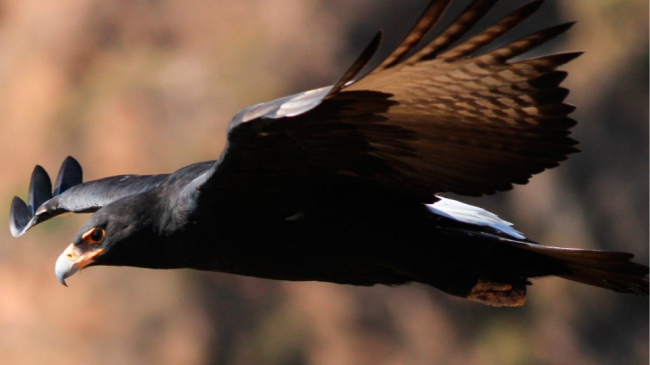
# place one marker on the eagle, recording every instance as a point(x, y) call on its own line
point(340, 184)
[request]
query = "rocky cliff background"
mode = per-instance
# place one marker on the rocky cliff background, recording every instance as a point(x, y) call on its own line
point(148, 86)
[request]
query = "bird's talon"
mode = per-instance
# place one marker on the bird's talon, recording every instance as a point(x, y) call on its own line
point(498, 294)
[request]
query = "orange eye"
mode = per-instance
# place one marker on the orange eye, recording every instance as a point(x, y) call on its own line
point(94, 236)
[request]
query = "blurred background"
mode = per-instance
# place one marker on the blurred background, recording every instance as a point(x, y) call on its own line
point(148, 86)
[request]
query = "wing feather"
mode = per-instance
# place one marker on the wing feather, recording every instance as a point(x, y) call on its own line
point(485, 37)
point(463, 23)
point(72, 195)
point(422, 26)
point(356, 67)
point(444, 118)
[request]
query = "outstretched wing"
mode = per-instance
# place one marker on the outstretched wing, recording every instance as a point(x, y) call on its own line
point(71, 195)
point(444, 118)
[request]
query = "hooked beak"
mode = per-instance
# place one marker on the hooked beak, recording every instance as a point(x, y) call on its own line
point(73, 260)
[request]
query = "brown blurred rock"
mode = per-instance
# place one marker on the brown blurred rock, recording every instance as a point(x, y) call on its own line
point(148, 86)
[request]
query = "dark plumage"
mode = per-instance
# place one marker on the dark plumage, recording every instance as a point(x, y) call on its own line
point(337, 184)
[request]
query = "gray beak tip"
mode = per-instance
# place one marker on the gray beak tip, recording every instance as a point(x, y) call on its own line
point(64, 268)
point(61, 279)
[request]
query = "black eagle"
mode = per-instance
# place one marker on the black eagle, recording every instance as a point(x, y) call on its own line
point(338, 184)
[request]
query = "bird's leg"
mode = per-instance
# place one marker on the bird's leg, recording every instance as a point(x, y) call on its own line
point(498, 294)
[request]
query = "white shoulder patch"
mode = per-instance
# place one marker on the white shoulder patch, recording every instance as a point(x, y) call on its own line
point(473, 215)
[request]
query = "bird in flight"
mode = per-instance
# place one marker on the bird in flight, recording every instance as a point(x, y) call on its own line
point(338, 184)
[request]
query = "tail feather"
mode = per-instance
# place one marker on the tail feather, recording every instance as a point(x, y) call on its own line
point(624, 277)
point(605, 269)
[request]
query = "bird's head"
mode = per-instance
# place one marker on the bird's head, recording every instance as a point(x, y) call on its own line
point(119, 234)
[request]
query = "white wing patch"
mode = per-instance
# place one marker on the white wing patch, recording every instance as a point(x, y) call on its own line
point(473, 215)
point(301, 103)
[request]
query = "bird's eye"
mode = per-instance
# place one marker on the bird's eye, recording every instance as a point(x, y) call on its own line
point(94, 236)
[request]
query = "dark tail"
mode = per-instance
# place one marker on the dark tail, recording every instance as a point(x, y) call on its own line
point(605, 269)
